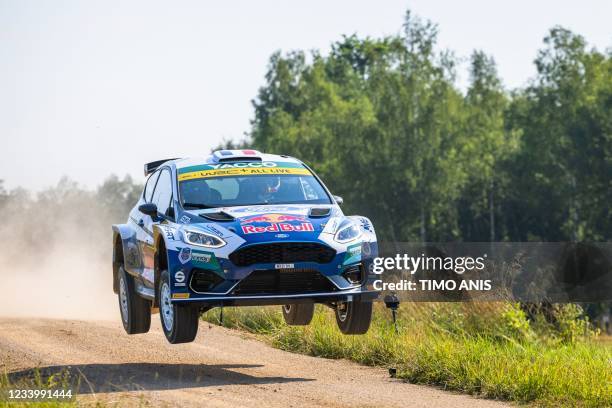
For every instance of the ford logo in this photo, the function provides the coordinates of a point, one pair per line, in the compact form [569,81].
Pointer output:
[281,236]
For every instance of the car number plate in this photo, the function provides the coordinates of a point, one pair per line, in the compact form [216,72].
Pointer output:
[284,266]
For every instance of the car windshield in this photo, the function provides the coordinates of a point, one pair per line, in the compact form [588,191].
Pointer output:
[253,189]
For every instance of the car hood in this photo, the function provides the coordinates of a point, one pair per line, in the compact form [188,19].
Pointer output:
[264,223]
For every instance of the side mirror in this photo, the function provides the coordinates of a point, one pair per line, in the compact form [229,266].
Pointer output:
[339,200]
[149,209]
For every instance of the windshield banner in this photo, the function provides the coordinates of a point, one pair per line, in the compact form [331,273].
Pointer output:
[242,169]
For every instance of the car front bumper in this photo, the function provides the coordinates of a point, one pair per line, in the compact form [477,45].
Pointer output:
[357,294]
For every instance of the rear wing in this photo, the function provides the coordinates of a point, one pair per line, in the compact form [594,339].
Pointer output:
[151,167]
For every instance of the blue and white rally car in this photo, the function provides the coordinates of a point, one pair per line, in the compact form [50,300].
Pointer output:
[240,228]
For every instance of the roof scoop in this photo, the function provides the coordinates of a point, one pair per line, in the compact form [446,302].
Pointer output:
[221,156]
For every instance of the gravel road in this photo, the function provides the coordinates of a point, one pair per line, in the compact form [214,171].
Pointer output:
[222,368]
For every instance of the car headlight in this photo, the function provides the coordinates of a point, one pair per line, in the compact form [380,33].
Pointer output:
[202,239]
[347,233]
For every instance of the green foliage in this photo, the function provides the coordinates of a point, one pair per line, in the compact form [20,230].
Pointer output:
[563,323]
[516,324]
[383,122]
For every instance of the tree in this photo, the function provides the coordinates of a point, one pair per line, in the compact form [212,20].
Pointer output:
[564,168]
[485,146]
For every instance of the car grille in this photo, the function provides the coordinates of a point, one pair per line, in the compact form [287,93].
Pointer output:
[283,252]
[284,281]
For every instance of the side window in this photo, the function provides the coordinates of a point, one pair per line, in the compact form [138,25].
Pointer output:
[148,190]
[163,192]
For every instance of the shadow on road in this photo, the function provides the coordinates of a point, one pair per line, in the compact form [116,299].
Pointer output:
[101,378]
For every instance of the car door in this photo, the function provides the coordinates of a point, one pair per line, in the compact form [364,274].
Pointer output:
[138,220]
[162,196]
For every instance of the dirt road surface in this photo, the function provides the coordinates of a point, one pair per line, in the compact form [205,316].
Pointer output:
[222,368]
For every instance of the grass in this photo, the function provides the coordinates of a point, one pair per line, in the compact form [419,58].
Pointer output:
[490,350]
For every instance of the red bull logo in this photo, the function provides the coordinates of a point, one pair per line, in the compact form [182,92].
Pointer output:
[272,218]
[278,223]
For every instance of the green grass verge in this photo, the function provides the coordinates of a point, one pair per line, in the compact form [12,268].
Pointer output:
[488,350]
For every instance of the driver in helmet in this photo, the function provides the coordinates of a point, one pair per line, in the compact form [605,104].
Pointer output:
[265,187]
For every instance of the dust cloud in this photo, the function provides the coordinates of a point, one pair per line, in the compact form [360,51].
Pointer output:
[56,249]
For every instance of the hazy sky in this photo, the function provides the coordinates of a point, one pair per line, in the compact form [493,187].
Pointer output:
[90,88]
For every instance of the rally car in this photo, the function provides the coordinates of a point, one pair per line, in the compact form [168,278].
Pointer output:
[240,228]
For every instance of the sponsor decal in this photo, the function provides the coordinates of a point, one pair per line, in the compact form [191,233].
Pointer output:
[283,226]
[180,296]
[204,259]
[366,225]
[185,219]
[277,223]
[242,169]
[281,236]
[169,232]
[284,266]
[272,218]
[201,257]
[179,277]
[354,250]
[353,254]
[254,209]
[242,172]
[213,230]
[184,255]
[243,165]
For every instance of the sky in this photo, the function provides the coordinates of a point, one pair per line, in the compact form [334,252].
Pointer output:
[90,88]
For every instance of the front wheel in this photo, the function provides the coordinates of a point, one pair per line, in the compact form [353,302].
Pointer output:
[354,317]
[135,310]
[179,322]
[299,314]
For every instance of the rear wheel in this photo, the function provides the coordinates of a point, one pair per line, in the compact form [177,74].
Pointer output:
[354,317]
[299,314]
[135,310]
[179,322]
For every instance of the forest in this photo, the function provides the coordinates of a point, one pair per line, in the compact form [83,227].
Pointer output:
[385,124]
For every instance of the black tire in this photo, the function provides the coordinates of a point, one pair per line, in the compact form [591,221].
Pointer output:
[298,314]
[354,317]
[135,310]
[179,322]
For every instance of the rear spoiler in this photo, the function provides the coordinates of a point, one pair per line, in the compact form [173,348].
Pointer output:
[151,167]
